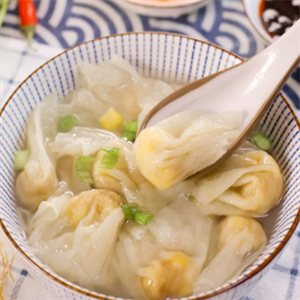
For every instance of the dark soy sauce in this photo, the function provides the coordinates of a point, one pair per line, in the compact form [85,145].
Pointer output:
[279,15]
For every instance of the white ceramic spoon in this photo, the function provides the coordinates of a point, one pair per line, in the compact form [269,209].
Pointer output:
[249,88]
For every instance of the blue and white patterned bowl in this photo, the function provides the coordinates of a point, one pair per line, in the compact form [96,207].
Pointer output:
[172,58]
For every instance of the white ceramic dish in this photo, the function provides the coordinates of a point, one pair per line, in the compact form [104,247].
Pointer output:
[172,58]
[166,9]
[252,11]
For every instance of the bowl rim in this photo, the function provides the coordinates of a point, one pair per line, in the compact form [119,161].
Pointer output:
[164,5]
[95,295]
[268,42]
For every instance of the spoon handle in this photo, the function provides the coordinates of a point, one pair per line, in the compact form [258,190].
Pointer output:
[276,63]
[251,86]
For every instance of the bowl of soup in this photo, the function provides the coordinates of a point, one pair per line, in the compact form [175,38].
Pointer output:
[98,210]
[162,8]
[272,18]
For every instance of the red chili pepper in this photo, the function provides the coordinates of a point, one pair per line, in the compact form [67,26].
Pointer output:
[27,13]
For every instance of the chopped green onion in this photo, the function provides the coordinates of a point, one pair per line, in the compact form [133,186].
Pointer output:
[110,158]
[129,136]
[66,124]
[129,210]
[262,142]
[82,167]
[131,126]
[130,131]
[20,160]
[83,174]
[111,150]
[85,177]
[131,213]
[142,218]
[83,163]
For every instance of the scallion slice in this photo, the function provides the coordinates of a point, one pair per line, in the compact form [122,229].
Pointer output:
[66,124]
[110,158]
[85,177]
[130,131]
[20,160]
[131,126]
[129,210]
[142,218]
[83,165]
[262,142]
[129,136]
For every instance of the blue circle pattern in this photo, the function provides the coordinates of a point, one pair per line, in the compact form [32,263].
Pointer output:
[221,22]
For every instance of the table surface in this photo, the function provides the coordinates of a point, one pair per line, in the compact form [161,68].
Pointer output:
[65,23]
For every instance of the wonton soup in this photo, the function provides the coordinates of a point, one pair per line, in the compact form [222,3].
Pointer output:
[119,213]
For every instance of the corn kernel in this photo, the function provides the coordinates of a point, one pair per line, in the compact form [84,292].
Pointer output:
[111,120]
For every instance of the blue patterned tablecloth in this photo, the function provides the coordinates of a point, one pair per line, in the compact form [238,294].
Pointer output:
[65,23]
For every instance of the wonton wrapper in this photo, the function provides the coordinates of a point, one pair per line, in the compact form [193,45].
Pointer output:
[126,179]
[76,235]
[246,184]
[118,84]
[157,262]
[69,146]
[81,141]
[180,226]
[171,276]
[182,145]
[240,241]
[38,180]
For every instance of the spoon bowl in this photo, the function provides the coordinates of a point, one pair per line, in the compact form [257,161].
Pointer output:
[259,79]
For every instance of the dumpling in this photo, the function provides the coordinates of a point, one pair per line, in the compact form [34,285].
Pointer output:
[149,91]
[131,253]
[240,241]
[172,275]
[118,84]
[89,207]
[75,236]
[178,147]
[161,259]
[147,271]
[81,141]
[248,183]
[38,180]
[100,202]
[88,106]
[124,174]
[42,225]
[126,179]
[113,86]
[69,146]
[178,225]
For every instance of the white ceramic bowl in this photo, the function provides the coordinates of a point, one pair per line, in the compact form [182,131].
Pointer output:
[172,58]
[167,9]
[252,11]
